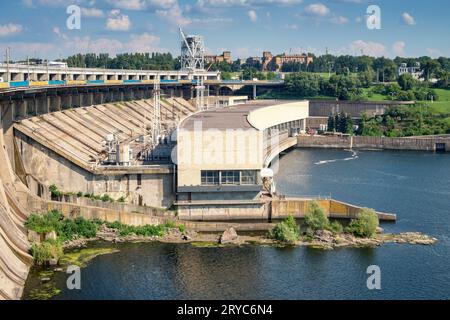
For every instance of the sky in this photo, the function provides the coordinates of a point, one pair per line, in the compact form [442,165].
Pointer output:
[409,28]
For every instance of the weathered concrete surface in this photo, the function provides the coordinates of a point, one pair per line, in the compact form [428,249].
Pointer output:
[323,108]
[269,209]
[14,258]
[347,142]
[333,208]
[46,167]
[64,148]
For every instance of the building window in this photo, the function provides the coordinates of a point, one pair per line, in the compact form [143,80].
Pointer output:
[210,178]
[230,177]
[248,177]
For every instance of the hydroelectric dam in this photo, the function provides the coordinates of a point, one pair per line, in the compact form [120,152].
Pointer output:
[159,146]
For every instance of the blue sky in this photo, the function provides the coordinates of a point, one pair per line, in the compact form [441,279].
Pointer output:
[246,27]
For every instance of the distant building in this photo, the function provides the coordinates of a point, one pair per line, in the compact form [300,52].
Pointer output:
[415,71]
[271,62]
[224,57]
[253,60]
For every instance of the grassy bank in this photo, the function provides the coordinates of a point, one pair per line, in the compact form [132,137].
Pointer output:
[54,230]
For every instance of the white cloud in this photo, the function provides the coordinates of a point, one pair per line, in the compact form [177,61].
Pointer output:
[92,12]
[399,48]
[58,32]
[245,3]
[117,21]
[434,53]
[291,26]
[367,48]
[339,20]
[317,9]
[408,19]
[51,3]
[142,4]
[252,15]
[174,15]
[10,29]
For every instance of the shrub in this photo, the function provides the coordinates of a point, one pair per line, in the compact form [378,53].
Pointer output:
[316,218]
[286,231]
[106,198]
[121,199]
[170,225]
[182,228]
[66,229]
[45,251]
[145,231]
[80,194]
[366,224]
[54,191]
[44,223]
[335,227]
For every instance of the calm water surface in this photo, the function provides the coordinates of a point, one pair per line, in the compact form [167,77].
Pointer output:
[415,186]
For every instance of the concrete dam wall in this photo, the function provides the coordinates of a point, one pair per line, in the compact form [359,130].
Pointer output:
[14,258]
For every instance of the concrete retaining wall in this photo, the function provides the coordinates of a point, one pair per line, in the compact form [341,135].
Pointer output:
[334,209]
[347,142]
[72,211]
[323,108]
[223,212]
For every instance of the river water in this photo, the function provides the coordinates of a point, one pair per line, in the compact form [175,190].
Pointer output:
[414,185]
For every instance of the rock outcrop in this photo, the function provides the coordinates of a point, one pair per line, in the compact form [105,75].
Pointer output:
[229,236]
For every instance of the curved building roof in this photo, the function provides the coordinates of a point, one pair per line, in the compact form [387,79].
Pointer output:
[258,115]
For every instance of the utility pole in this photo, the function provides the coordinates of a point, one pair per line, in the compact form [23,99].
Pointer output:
[8,72]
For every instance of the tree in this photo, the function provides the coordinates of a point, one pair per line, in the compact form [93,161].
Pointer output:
[286,231]
[331,124]
[303,84]
[406,81]
[386,68]
[348,125]
[365,226]
[430,67]
[316,218]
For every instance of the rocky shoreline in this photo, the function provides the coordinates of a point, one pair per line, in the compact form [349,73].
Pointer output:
[321,239]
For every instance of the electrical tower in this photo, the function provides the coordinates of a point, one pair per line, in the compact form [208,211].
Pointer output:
[192,52]
[157,111]
[193,60]
[200,88]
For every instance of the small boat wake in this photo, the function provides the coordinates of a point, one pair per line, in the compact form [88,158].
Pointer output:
[353,157]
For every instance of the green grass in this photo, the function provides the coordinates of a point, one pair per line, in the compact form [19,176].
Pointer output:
[442,106]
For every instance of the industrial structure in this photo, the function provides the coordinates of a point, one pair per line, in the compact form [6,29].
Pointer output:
[148,142]
[221,154]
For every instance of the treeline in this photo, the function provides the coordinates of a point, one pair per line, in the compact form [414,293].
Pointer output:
[402,121]
[131,61]
[356,87]
[343,87]
[397,121]
[383,69]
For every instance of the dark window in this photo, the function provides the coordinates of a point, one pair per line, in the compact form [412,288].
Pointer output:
[230,177]
[248,177]
[210,178]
